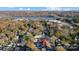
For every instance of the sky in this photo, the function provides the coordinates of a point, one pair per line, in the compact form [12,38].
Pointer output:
[39,8]
[40,3]
[23,8]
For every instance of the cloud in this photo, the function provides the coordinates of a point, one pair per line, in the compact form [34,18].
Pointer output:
[67,9]
[24,9]
[28,9]
[57,9]
[20,8]
[53,8]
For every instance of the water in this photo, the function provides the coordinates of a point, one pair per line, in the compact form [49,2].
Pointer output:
[37,17]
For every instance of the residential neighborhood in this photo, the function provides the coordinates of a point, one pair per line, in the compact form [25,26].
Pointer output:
[39,31]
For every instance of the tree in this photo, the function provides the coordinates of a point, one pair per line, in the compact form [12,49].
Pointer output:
[58,33]
[76,19]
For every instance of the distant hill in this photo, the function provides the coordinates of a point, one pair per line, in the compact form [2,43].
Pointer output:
[36,13]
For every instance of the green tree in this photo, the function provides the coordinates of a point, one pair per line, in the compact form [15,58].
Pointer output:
[76,19]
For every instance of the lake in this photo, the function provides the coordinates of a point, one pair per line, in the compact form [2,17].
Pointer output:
[37,17]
